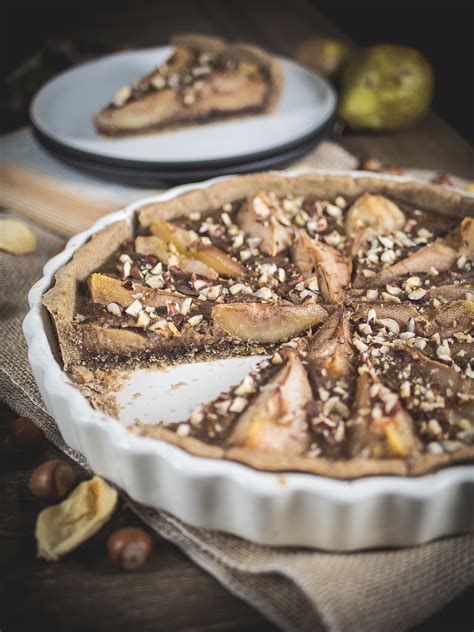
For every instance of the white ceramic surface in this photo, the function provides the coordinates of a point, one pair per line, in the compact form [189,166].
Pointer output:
[64,107]
[280,509]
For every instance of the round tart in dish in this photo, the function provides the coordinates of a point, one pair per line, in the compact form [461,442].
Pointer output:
[359,291]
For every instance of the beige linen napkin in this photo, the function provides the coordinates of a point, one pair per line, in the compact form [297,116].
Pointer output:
[297,589]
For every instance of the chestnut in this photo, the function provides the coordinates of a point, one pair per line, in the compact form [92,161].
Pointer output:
[52,480]
[23,434]
[129,548]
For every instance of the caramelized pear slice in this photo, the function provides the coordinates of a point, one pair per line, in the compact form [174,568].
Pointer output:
[329,350]
[436,255]
[153,245]
[462,238]
[372,215]
[104,290]
[435,373]
[262,322]
[449,319]
[179,237]
[442,254]
[452,292]
[400,312]
[331,268]
[186,243]
[276,421]
[216,259]
[260,217]
[379,427]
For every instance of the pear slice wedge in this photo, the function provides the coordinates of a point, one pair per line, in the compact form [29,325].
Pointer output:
[379,426]
[261,217]
[186,243]
[153,245]
[262,322]
[442,254]
[331,268]
[104,290]
[276,421]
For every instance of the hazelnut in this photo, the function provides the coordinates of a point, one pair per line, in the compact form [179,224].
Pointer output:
[442,178]
[393,170]
[24,434]
[370,164]
[52,480]
[129,547]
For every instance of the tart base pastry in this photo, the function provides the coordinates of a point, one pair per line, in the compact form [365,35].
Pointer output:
[359,291]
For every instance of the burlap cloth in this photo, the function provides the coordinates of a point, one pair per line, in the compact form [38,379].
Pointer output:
[297,589]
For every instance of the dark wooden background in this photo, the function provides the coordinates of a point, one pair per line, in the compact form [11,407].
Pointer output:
[84,591]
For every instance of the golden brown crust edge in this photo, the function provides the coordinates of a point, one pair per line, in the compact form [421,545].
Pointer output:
[60,300]
[349,469]
[429,196]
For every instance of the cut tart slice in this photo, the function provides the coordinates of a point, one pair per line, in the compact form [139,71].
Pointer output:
[205,80]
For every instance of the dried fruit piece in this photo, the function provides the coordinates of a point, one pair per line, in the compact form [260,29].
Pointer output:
[276,421]
[63,527]
[262,322]
[16,236]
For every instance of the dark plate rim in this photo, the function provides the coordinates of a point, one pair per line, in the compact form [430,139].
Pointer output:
[179,166]
[152,177]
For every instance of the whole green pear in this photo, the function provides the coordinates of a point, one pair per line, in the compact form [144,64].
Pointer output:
[386,87]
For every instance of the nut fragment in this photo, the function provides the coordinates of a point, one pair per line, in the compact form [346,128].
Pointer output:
[61,528]
[16,237]
[52,480]
[130,548]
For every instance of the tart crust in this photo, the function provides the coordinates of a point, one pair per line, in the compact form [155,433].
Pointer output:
[61,300]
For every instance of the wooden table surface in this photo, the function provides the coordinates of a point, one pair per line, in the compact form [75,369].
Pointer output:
[84,591]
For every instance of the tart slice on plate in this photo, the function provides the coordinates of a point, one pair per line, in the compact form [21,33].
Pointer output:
[205,80]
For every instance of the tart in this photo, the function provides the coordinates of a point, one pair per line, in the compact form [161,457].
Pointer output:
[205,80]
[360,293]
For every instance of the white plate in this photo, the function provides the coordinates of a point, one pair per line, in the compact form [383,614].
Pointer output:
[269,508]
[64,107]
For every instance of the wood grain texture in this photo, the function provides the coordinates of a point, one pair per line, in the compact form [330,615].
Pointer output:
[84,591]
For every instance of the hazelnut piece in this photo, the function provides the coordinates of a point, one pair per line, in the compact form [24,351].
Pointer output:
[129,547]
[24,434]
[52,480]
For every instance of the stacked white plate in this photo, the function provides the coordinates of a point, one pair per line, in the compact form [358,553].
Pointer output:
[62,113]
